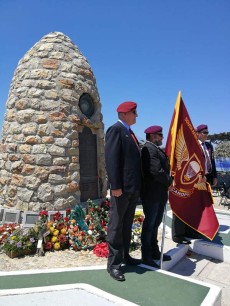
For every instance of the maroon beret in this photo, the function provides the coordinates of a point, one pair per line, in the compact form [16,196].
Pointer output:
[201,127]
[153,129]
[126,107]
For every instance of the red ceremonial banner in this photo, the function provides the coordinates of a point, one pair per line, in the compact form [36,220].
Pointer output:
[189,196]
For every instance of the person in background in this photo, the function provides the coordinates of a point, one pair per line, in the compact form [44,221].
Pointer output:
[156,181]
[208,153]
[123,165]
[179,229]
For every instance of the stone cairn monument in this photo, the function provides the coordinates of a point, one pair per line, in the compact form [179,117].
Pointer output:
[52,147]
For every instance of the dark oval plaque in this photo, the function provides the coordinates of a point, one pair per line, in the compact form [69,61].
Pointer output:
[86,105]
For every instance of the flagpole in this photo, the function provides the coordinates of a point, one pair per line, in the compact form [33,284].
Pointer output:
[163,235]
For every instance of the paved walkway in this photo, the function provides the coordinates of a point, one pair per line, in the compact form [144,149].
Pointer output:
[208,261]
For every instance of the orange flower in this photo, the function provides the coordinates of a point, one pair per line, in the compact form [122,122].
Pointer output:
[63,231]
[50,224]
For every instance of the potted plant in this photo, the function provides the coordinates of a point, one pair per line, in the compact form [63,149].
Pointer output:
[21,242]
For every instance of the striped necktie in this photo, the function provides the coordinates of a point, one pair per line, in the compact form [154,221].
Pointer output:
[207,158]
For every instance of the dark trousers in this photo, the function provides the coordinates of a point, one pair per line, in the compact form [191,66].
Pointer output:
[209,178]
[153,210]
[178,228]
[122,210]
[181,230]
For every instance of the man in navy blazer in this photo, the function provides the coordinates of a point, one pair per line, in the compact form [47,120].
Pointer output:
[123,165]
[208,153]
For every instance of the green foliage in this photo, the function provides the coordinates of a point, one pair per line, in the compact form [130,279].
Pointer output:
[79,215]
[88,228]
[222,141]
[218,138]
[223,149]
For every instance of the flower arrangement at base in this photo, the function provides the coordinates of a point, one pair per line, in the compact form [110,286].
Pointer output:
[97,219]
[88,228]
[80,240]
[5,231]
[136,230]
[21,242]
[101,250]
[79,230]
[80,236]
[57,237]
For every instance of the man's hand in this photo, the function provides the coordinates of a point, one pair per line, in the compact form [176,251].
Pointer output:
[116,192]
[202,179]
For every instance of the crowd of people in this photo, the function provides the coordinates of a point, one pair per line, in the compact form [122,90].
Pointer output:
[135,173]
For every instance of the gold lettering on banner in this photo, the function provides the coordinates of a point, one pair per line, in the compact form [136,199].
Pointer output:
[181,193]
[190,127]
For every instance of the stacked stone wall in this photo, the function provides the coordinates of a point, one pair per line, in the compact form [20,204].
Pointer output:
[39,151]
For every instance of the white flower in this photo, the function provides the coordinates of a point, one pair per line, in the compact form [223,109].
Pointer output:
[90,232]
[135,238]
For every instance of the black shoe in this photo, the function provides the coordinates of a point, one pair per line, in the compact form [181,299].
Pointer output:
[195,236]
[116,274]
[165,257]
[181,240]
[128,260]
[151,263]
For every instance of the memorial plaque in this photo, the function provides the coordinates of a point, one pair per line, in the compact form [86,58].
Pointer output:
[1,215]
[29,218]
[11,216]
[88,165]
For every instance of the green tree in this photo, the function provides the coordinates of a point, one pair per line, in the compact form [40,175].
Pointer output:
[222,141]
[223,149]
[218,138]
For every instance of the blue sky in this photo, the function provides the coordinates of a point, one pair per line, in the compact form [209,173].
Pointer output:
[139,50]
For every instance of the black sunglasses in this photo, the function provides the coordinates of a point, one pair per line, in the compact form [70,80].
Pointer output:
[205,133]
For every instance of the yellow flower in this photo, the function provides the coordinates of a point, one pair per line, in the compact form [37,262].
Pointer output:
[13,238]
[51,229]
[54,239]
[56,232]
[57,246]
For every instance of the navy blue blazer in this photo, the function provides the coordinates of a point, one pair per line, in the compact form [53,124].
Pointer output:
[122,158]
